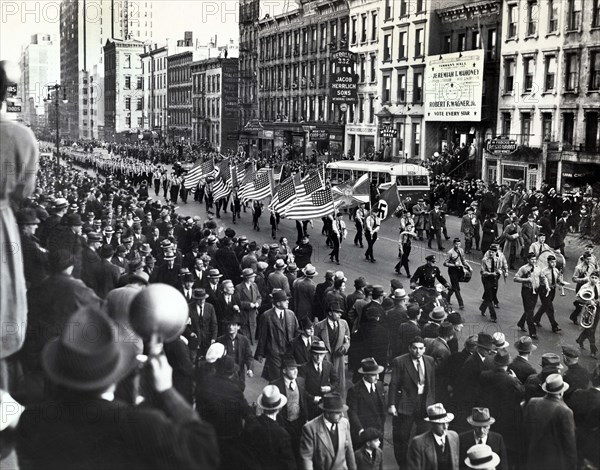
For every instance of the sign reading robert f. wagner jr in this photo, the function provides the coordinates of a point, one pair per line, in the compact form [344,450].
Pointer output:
[454,86]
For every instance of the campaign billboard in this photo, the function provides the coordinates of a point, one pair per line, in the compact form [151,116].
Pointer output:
[454,86]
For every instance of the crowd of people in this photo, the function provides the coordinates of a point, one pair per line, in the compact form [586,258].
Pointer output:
[85,389]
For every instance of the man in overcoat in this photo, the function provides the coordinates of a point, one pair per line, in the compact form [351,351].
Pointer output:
[250,300]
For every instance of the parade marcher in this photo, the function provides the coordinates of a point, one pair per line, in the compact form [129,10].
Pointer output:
[372,226]
[404,248]
[550,278]
[457,266]
[590,333]
[493,266]
[359,223]
[539,246]
[338,233]
[467,227]
[426,275]
[560,232]
[326,442]
[480,434]
[549,428]
[585,266]
[437,448]
[411,392]
[421,212]
[436,224]
[238,347]
[513,244]
[489,231]
[529,278]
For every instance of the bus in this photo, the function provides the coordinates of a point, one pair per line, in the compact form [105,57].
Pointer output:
[412,180]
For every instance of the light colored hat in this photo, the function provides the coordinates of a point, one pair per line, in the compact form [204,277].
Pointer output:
[500,340]
[271,398]
[215,351]
[399,294]
[555,384]
[481,456]
[436,413]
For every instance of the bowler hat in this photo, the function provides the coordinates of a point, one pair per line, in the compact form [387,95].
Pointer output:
[369,366]
[248,273]
[271,398]
[333,402]
[318,347]
[73,220]
[525,344]
[555,384]
[481,456]
[27,217]
[279,295]
[436,413]
[309,270]
[85,362]
[485,341]
[480,417]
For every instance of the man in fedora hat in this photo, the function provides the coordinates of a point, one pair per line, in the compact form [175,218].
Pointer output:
[482,457]
[576,375]
[250,302]
[326,442]
[238,346]
[396,315]
[201,328]
[480,434]
[87,371]
[435,319]
[265,438]
[304,292]
[35,258]
[168,272]
[69,238]
[411,390]
[213,284]
[276,330]
[437,448]
[366,401]
[520,365]
[320,377]
[53,222]
[277,279]
[533,384]
[108,273]
[227,304]
[549,428]
[301,344]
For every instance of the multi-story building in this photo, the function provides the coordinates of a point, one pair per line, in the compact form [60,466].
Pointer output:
[361,128]
[123,88]
[154,66]
[295,50]
[248,55]
[40,67]
[215,109]
[85,26]
[549,94]
[96,102]
[179,96]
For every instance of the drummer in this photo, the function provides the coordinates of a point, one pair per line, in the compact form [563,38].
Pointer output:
[539,246]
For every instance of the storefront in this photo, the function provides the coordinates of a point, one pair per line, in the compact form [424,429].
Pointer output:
[519,165]
[359,140]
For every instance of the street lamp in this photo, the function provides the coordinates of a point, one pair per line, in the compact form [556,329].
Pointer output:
[56,88]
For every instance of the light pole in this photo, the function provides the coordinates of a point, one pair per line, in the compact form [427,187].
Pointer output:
[56,88]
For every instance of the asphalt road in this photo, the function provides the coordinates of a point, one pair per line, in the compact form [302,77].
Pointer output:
[353,264]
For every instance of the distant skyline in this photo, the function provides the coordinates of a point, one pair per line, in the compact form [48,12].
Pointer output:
[21,19]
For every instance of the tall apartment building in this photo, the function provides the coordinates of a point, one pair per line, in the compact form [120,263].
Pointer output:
[549,97]
[39,64]
[123,89]
[215,109]
[85,26]
[248,69]
[294,65]
[179,96]
[361,128]
[154,66]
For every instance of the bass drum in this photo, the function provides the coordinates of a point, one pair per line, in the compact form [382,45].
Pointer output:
[542,260]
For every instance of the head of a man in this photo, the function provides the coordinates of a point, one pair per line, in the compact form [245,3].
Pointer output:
[416,348]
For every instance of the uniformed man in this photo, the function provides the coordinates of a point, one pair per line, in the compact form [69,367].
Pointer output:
[456,264]
[372,226]
[359,222]
[493,265]
[550,277]
[529,278]
[540,245]
[590,333]
[592,260]
[584,268]
[426,275]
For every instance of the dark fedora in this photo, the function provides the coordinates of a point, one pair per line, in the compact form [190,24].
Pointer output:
[73,220]
[525,344]
[89,357]
[289,361]
[480,417]
[199,294]
[501,358]
[235,318]
[333,402]
[27,217]
[279,295]
[94,237]
[485,341]
[318,347]
[248,273]
[306,323]
[107,251]
[369,366]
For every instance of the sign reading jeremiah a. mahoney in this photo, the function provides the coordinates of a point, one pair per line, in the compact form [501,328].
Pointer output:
[454,86]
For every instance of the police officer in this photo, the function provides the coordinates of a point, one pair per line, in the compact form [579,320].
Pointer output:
[426,275]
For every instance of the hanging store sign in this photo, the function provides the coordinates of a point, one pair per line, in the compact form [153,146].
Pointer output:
[319,135]
[454,86]
[388,132]
[344,88]
[501,145]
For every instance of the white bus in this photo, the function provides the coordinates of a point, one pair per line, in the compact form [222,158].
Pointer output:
[412,180]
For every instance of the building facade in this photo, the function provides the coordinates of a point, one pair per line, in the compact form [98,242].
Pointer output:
[294,55]
[179,96]
[123,89]
[154,66]
[360,138]
[215,109]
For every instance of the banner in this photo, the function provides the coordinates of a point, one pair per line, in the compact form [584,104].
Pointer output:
[454,86]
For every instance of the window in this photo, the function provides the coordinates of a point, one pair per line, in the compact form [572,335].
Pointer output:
[547,127]
[419,6]
[568,128]
[127,61]
[525,128]
[361,109]
[416,139]
[553,6]
[403,8]
[400,140]
[506,123]
[509,75]
[353,30]
[362,69]
[140,121]
[128,121]
[140,83]
[528,69]
[374,26]
[373,77]
[388,10]
[418,87]
[550,73]
[574,17]
[402,45]
[128,103]
[363,28]
[492,39]
[386,89]
[462,42]
[592,139]
[571,71]
[371,109]
[596,14]
[402,87]
[475,43]
[513,14]
[323,36]
[127,82]
[447,44]
[595,70]
[387,48]
[532,18]
[419,42]
[140,104]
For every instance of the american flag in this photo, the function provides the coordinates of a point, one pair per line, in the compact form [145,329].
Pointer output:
[286,195]
[201,170]
[315,205]
[239,173]
[310,183]
[259,188]
[222,185]
[250,174]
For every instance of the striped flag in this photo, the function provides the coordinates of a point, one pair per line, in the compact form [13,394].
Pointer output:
[250,174]
[315,205]
[260,187]
[277,172]
[201,170]
[285,195]
[310,183]
[349,195]
[239,173]
[222,185]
